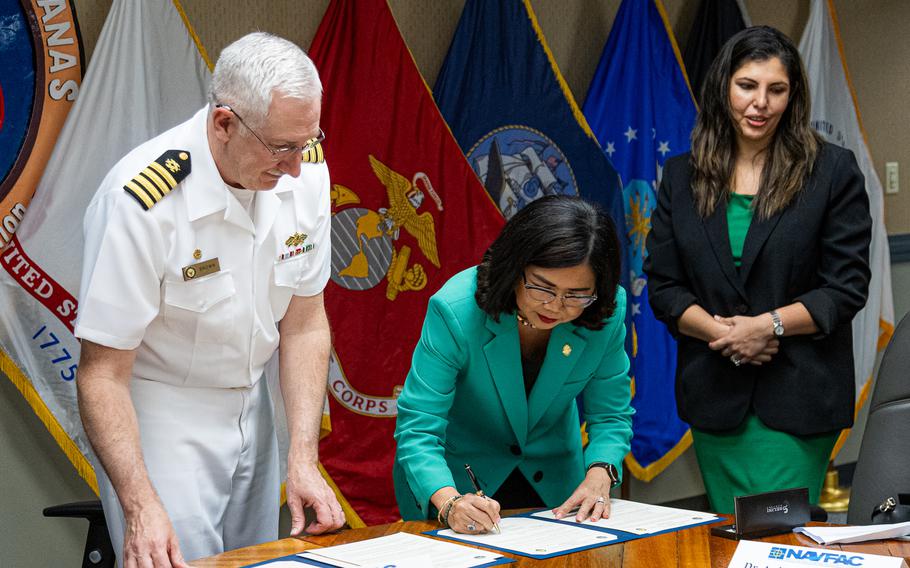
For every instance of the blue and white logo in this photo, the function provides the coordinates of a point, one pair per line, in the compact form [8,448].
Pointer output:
[518,164]
[813,557]
[777,553]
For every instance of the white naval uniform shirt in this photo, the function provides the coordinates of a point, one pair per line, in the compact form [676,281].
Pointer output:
[217,330]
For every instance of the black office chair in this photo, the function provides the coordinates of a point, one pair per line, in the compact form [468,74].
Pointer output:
[883,466]
[98,550]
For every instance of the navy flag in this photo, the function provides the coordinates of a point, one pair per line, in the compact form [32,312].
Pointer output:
[641,108]
[514,116]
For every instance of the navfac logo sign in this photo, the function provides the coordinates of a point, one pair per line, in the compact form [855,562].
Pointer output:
[815,557]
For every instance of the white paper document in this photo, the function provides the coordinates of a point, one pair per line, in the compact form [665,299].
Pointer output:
[863,533]
[529,536]
[640,518]
[402,550]
[752,554]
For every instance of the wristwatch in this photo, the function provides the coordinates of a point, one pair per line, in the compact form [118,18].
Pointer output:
[611,472]
[776,324]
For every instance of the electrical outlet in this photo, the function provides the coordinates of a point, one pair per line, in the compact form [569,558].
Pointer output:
[892,178]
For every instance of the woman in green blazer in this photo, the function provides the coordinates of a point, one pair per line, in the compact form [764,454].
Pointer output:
[506,348]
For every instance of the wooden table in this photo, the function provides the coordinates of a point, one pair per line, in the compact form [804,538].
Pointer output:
[693,547]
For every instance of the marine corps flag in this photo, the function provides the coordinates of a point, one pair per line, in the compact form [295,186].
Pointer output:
[513,114]
[640,106]
[408,213]
[835,115]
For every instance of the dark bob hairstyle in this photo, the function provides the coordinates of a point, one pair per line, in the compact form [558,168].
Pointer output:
[552,232]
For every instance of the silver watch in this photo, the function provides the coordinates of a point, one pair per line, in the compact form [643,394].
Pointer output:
[776,324]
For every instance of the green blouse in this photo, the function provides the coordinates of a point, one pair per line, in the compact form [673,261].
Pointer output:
[739,217]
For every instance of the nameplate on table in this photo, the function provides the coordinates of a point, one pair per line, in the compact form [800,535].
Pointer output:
[766,514]
[752,554]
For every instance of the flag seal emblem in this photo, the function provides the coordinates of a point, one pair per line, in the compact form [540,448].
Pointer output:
[40,76]
[518,164]
[364,241]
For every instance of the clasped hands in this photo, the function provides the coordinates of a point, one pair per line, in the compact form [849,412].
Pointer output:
[745,339]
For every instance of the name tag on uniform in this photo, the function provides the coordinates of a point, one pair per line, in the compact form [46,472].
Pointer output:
[200,269]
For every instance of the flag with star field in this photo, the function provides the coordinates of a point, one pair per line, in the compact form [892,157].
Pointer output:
[641,108]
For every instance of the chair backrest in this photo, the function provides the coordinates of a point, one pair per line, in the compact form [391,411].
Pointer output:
[98,550]
[883,466]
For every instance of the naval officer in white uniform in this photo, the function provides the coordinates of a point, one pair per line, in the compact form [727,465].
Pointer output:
[207,249]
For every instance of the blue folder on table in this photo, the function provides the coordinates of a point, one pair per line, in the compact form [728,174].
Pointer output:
[620,536]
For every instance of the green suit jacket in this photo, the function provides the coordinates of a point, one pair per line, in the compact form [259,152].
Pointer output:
[464,402]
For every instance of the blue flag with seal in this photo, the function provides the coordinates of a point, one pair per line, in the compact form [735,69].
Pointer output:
[513,114]
[641,108]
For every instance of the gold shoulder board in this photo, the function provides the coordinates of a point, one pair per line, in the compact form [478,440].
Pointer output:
[149,186]
[315,155]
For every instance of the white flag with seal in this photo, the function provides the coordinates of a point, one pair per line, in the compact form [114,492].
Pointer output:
[147,74]
[835,115]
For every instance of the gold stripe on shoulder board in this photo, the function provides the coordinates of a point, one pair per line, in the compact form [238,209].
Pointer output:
[159,178]
[314,155]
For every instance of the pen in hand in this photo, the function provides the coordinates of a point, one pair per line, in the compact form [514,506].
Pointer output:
[479,492]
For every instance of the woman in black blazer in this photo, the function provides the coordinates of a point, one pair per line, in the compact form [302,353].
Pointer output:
[758,261]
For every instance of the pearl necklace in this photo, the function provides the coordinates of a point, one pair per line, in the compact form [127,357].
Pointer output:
[523,320]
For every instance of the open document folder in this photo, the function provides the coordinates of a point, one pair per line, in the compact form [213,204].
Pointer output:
[401,550]
[641,518]
[540,535]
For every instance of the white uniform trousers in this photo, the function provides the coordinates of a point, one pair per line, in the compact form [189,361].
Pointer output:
[212,456]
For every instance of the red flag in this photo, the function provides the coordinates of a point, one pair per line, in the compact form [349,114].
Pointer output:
[408,213]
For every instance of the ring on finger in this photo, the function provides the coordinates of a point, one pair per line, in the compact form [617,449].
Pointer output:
[472,527]
[736,360]
[600,500]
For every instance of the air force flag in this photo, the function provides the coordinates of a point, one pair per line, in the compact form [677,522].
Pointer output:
[641,109]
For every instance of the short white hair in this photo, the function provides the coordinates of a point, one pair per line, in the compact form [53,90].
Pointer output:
[251,69]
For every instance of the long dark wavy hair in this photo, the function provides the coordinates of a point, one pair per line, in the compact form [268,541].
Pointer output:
[552,232]
[793,148]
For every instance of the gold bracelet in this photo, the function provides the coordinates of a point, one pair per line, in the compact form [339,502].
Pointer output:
[443,515]
[443,508]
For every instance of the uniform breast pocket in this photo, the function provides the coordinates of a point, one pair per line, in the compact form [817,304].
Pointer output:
[287,277]
[289,273]
[201,310]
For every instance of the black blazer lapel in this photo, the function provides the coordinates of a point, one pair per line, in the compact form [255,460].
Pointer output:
[759,231]
[719,237]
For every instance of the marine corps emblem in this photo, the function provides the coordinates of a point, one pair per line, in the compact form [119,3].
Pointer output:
[364,250]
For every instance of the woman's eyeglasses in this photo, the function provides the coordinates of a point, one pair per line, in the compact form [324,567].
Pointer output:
[546,295]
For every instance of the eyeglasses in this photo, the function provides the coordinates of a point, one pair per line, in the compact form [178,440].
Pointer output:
[546,295]
[283,152]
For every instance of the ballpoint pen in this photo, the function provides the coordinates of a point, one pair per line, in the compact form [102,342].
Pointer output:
[479,492]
